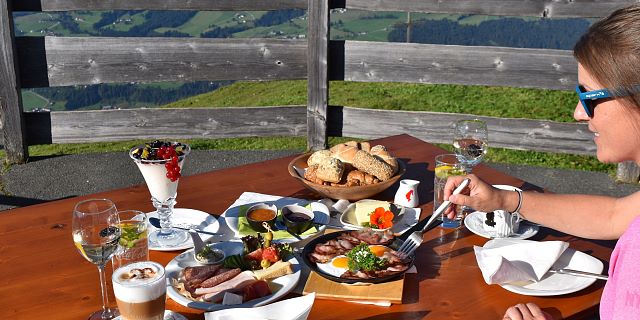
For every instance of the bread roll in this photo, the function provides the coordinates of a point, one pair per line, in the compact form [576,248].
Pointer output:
[330,170]
[311,174]
[344,153]
[381,152]
[365,146]
[364,161]
[359,178]
[318,156]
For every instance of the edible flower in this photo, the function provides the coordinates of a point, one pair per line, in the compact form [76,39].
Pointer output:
[381,219]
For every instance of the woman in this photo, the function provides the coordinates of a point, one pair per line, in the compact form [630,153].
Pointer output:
[608,56]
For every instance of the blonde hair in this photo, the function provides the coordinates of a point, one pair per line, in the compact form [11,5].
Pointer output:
[610,52]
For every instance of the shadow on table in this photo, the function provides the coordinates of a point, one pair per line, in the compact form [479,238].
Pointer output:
[398,315]
[22,201]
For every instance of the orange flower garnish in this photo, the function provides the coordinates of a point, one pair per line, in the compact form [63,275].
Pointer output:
[382,219]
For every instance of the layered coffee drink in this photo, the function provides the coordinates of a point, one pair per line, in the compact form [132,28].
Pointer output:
[140,290]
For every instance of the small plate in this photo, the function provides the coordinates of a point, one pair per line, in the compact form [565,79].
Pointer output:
[475,221]
[198,218]
[284,284]
[168,315]
[320,212]
[402,221]
[558,284]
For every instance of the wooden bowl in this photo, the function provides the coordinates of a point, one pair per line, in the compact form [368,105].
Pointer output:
[347,193]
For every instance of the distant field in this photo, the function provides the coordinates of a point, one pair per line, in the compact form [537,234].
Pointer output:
[32,100]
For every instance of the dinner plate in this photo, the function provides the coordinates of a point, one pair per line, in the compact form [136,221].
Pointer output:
[320,216]
[475,223]
[283,284]
[402,221]
[168,315]
[310,247]
[553,284]
[194,217]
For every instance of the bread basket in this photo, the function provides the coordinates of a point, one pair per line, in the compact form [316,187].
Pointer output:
[336,192]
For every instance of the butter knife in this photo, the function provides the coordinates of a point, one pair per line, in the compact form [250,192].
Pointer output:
[579,273]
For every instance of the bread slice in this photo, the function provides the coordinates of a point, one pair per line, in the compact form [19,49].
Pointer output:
[277,269]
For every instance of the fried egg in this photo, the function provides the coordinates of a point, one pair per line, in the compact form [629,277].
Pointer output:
[340,264]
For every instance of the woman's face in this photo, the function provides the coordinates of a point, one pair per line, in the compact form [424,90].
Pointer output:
[616,137]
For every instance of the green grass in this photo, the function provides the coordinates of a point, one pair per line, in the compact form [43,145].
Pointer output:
[32,100]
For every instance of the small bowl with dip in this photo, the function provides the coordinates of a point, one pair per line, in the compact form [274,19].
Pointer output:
[209,255]
[297,219]
[262,212]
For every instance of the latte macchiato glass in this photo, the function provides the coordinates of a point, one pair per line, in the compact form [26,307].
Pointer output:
[140,290]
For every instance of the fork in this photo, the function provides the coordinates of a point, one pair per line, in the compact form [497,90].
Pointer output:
[415,239]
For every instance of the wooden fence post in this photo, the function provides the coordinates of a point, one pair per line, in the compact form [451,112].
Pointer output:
[14,136]
[317,74]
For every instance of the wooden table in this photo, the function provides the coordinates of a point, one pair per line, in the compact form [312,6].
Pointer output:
[43,277]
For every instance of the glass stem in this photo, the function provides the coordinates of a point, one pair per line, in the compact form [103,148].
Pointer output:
[164,210]
[106,312]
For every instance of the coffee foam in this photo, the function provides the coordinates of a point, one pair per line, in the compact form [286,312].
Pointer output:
[139,289]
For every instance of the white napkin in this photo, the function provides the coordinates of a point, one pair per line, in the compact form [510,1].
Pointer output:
[290,309]
[510,260]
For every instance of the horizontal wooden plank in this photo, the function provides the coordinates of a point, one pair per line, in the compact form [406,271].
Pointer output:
[93,60]
[539,8]
[520,134]
[115,125]
[64,5]
[427,63]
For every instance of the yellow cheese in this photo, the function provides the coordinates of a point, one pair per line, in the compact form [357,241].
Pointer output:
[277,269]
[364,208]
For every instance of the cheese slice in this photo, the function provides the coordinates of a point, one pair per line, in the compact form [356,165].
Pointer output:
[277,269]
[364,208]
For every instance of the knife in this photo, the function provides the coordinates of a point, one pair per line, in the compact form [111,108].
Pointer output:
[579,273]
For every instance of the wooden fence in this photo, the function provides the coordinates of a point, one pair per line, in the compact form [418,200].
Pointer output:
[28,62]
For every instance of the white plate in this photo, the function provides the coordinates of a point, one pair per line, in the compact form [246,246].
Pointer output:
[475,222]
[558,284]
[199,218]
[168,315]
[320,216]
[402,222]
[185,259]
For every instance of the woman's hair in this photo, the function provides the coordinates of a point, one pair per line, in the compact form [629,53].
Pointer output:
[610,52]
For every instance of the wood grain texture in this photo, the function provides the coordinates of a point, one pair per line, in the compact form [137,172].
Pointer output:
[520,134]
[115,125]
[534,8]
[69,289]
[222,5]
[93,60]
[427,63]
[318,81]
[11,120]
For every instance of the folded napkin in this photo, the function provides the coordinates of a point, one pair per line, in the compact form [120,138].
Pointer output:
[511,260]
[245,229]
[290,309]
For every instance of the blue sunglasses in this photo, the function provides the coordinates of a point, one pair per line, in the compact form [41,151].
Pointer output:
[591,99]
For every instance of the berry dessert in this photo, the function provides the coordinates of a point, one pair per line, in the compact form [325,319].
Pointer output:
[160,163]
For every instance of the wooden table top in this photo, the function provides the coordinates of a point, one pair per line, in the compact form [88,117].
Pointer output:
[43,277]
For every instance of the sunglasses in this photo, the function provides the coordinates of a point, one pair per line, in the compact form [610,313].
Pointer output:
[591,99]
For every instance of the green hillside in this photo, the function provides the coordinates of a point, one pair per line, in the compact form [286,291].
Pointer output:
[489,101]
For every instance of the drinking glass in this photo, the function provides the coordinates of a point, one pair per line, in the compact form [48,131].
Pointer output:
[96,234]
[163,189]
[470,140]
[140,289]
[134,246]
[447,165]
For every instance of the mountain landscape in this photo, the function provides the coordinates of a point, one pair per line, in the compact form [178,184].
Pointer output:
[291,24]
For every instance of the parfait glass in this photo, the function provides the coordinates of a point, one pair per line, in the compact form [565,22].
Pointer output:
[96,234]
[162,177]
[470,141]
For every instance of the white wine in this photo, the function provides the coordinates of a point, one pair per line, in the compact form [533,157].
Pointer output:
[470,151]
[98,243]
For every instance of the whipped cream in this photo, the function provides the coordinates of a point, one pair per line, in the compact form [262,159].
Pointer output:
[155,175]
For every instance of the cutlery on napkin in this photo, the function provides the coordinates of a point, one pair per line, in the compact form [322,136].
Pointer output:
[290,309]
[507,260]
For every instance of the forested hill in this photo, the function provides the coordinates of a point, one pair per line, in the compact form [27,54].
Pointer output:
[506,32]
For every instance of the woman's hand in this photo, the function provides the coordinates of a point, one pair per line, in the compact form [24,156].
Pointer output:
[529,311]
[478,195]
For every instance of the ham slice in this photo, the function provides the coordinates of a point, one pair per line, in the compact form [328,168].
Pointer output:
[240,281]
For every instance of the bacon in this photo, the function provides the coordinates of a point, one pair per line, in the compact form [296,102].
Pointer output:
[325,249]
[345,244]
[319,258]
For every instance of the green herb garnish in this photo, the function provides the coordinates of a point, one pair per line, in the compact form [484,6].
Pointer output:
[361,258]
[130,234]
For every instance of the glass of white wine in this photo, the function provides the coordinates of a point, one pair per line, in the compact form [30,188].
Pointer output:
[470,141]
[96,235]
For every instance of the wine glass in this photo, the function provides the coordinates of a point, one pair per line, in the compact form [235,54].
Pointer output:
[471,141]
[96,234]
